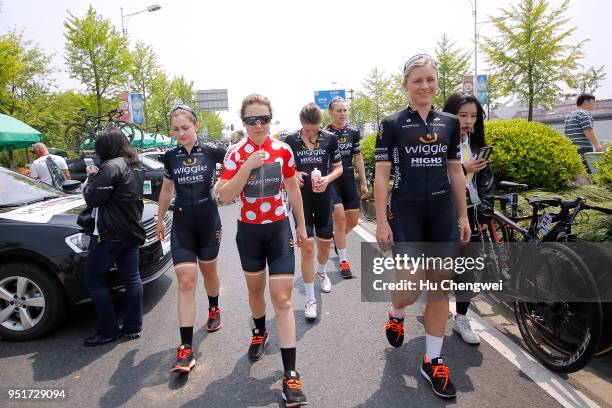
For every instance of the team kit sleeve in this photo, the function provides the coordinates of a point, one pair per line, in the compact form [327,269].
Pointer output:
[384,143]
[288,163]
[334,151]
[453,142]
[230,165]
[167,166]
[357,143]
[217,152]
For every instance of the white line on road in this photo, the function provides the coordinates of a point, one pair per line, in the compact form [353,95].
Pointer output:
[555,386]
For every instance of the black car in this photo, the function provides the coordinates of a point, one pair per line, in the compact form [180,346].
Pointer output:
[43,253]
[154,173]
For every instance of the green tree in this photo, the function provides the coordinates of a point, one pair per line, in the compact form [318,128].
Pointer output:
[531,53]
[587,81]
[362,110]
[326,118]
[161,101]
[453,63]
[214,123]
[24,72]
[142,73]
[96,54]
[183,91]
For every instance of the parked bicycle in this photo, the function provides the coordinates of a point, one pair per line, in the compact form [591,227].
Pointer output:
[82,136]
[564,336]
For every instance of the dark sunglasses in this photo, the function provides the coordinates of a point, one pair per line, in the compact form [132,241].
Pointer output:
[257,120]
[184,107]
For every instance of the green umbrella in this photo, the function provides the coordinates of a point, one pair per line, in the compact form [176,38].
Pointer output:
[14,134]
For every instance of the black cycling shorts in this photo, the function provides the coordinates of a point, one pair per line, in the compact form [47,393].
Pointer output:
[424,221]
[345,191]
[196,234]
[271,243]
[318,213]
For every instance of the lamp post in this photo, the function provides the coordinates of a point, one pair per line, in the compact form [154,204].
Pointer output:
[126,17]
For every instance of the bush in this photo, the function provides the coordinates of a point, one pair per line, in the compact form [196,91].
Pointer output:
[604,170]
[368,144]
[532,153]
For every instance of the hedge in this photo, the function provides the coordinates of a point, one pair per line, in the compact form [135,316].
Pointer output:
[604,170]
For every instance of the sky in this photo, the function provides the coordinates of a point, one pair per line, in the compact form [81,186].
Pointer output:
[286,50]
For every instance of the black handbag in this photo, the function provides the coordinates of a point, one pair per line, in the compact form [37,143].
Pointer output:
[86,220]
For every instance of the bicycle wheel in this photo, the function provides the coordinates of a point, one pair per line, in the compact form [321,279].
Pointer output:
[563,336]
[77,137]
[132,131]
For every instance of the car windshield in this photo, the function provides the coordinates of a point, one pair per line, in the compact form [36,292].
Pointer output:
[17,189]
[151,163]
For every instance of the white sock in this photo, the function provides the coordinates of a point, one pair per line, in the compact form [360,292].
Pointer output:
[342,254]
[433,346]
[309,290]
[397,313]
[321,268]
[460,316]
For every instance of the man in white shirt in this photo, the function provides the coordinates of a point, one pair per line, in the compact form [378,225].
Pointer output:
[39,167]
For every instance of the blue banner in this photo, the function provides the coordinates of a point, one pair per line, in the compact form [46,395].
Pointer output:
[323,98]
[137,108]
[482,89]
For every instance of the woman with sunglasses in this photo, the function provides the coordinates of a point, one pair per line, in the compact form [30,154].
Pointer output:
[421,145]
[196,226]
[346,199]
[478,181]
[314,149]
[257,168]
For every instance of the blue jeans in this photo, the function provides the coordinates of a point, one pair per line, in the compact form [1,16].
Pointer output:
[102,255]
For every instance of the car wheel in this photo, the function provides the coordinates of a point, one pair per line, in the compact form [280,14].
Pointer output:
[32,302]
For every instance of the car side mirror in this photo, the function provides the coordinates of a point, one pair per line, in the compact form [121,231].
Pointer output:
[71,185]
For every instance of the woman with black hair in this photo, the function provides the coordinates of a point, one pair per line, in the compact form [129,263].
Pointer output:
[115,192]
[477,173]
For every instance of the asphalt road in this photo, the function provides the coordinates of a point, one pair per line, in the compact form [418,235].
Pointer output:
[343,357]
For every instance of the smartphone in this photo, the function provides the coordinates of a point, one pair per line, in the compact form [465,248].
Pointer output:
[89,162]
[485,152]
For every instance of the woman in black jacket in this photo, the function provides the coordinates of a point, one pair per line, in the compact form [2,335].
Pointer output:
[479,185]
[115,192]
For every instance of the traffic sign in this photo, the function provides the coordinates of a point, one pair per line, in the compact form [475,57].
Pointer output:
[323,98]
[468,84]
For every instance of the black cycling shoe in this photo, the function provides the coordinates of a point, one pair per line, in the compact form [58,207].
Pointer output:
[214,319]
[292,390]
[345,270]
[394,329]
[130,335]
[97,340]
[185,359]
[258,344]
[436,373]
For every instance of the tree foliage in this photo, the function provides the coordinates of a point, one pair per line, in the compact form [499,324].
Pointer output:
[96,54]
[587,81]
[24,72]
[531,53]
[453,64]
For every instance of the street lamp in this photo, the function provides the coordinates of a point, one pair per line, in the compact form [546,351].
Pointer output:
[125,17]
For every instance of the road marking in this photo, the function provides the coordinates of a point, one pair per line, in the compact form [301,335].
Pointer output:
[555,386]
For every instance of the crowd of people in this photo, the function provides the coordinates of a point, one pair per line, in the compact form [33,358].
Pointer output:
[437,180]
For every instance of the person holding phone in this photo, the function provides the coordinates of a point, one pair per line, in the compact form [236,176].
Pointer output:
[257,169]
[473,153]
[427,205]
[196,226]
[115,191]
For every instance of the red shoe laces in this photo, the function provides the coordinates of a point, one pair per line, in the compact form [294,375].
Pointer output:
[213,314]
[293,384]
[182,353]
[257,339]
[345,265]
[396,327]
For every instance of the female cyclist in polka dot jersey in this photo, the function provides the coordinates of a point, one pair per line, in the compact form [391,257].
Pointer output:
[257,168]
